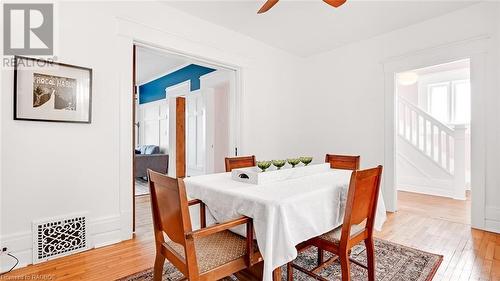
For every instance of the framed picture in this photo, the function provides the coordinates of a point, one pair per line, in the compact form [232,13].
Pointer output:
[52,92]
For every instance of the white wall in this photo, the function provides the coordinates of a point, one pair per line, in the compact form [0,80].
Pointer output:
[221,84]
[409,93]
[347,90]
[333,102]
[52,169]
[417,173]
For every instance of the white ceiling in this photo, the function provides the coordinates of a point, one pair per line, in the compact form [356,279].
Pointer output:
[152,64]
[309,27]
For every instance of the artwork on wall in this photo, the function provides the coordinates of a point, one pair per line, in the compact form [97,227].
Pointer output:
[50,91]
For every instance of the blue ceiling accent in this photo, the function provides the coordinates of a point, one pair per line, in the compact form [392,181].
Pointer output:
[155,90]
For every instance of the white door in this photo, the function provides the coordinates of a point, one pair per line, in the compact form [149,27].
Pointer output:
[195,133]
[153,124]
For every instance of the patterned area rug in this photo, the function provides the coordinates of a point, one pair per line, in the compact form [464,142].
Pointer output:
[394,262]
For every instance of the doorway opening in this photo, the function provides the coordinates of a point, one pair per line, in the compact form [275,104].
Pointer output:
[184,118]
[433,139]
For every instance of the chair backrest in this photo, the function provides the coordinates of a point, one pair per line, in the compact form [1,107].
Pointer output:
[169,206]
[362,199]
[240,162]
[344,162]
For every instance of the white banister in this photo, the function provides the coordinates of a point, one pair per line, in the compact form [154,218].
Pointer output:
[459,161]
[448,151]
[436,136]
[441,144]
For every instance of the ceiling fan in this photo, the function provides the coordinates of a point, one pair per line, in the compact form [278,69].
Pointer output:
[270,3]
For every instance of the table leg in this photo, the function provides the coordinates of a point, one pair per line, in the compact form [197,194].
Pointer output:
[277,274]
[255,273]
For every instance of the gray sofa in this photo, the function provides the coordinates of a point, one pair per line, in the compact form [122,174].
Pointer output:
[149,157]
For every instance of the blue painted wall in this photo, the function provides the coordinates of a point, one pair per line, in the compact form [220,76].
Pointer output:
[155,90]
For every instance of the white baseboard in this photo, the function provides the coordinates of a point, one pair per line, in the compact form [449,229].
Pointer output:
[425,190]
[492,225]
[103,232]
[492,219]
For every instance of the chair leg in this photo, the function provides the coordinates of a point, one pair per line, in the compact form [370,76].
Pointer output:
[345,265]
[289,271]
[321,256]
[158,268]
[370,253]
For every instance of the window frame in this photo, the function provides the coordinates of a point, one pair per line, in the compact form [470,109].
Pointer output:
[450,97]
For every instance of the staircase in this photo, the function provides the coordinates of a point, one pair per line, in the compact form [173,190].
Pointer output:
[430,154]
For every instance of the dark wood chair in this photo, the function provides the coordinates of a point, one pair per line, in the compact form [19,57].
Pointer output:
[209,253]
[345,162]
[359,219]
[240,162]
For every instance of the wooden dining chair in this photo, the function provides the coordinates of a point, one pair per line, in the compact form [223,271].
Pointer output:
[209,253]
[344,162]
[240,162]
[359,219]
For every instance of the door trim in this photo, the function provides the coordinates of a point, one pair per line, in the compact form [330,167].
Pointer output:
[474,49]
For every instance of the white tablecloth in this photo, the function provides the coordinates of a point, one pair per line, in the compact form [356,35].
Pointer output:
[284,213]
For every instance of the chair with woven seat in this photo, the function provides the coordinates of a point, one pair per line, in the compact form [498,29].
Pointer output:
[344,162]
[240,162]
[210,253]
[359,219]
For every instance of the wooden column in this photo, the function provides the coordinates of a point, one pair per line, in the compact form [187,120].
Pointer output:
[180,139]
[134,95]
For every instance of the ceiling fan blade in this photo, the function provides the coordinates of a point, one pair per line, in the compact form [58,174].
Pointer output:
[335,3]
[268,5]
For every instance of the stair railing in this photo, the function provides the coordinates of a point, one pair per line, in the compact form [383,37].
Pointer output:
[441,144]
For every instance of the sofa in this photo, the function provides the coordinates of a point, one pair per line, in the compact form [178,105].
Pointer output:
[149,157]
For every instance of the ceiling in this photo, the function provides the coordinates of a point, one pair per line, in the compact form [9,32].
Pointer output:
[309,27]
[152,64]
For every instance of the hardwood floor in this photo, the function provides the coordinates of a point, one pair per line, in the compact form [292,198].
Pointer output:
[436,207]
[429,223]
[439,225]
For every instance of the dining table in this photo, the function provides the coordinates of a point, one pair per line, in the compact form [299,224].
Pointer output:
[285,212]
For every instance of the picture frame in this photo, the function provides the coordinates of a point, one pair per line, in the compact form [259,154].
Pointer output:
[51,91]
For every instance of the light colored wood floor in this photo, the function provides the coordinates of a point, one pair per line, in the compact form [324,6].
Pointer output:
[429,223]
[141,187]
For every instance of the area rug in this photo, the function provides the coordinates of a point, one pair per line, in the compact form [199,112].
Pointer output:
[394,262]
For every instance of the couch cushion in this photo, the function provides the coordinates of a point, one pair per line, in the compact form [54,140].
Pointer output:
[149,149]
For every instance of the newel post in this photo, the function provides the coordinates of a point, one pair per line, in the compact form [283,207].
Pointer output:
[459,155]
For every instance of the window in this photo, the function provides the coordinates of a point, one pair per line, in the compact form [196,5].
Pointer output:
[449,102]
[439,106]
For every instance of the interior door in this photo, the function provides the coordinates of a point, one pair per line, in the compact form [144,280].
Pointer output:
[153,124]
[196,133]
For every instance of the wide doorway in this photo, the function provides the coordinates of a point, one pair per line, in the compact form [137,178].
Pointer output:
[185,118]
[433,138]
